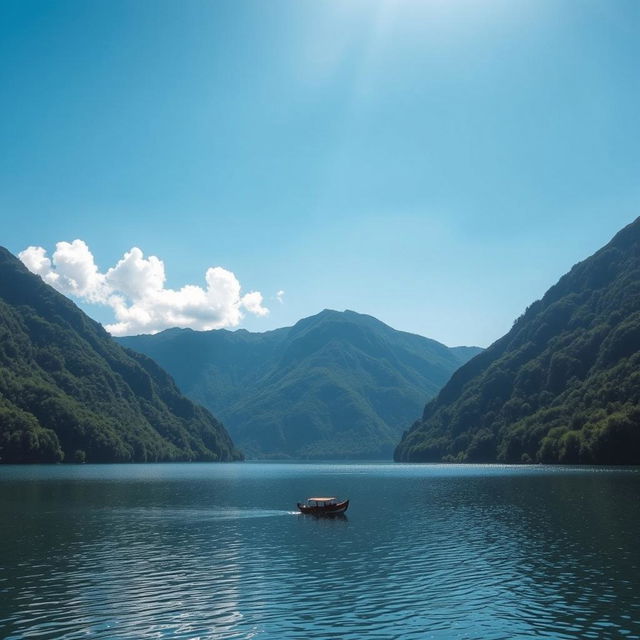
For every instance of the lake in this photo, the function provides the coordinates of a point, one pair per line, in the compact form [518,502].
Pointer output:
[217,551]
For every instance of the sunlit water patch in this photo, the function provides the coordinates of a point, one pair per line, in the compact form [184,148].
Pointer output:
[219,551]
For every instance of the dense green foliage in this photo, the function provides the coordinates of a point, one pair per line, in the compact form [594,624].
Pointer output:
[562,386]
[69,392]
[335,385]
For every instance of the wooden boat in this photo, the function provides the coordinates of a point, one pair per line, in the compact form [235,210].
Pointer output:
[323,506]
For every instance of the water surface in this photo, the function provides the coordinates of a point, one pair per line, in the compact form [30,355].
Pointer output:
[217,551]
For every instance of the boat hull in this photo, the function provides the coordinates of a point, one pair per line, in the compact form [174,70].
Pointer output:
[325,510]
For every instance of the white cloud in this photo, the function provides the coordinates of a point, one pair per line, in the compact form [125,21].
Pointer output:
[136,277]
[252,302]
[135,290]
[35,259]
[75,271]
[280,296]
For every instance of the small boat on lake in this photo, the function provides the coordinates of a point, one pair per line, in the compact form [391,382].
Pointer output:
[323,506]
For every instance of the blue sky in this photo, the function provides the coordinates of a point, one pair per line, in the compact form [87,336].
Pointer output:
[437,164]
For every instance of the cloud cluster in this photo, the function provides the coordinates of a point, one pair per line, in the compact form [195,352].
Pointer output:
[135,290]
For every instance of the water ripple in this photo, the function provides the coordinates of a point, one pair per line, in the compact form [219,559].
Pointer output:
[421,556]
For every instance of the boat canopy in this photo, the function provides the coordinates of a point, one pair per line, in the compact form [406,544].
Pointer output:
[320,499]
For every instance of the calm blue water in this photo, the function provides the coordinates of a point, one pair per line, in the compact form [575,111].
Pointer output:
[216,551]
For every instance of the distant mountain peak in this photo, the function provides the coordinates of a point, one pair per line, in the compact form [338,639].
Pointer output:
[336,384]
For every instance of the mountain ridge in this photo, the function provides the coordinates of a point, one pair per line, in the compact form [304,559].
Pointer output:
[69,391]
[334,368]
[560,386]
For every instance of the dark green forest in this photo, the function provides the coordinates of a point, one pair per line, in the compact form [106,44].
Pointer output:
[335,385]
[563,386]
[69,393]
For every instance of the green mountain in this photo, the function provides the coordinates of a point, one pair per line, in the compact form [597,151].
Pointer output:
[335,385]
[562,386]
[69,392]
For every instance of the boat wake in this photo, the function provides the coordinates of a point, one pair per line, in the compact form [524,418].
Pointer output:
[214,513]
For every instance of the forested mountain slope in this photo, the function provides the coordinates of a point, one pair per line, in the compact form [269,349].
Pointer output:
[562,386]
[335,385]
[69,392]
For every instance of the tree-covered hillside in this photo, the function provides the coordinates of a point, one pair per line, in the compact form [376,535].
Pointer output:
[335,385]
[562,386]
[69,392]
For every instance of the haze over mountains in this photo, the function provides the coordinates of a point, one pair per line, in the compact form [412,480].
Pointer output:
[562,386]
[335,385]
[69,392]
